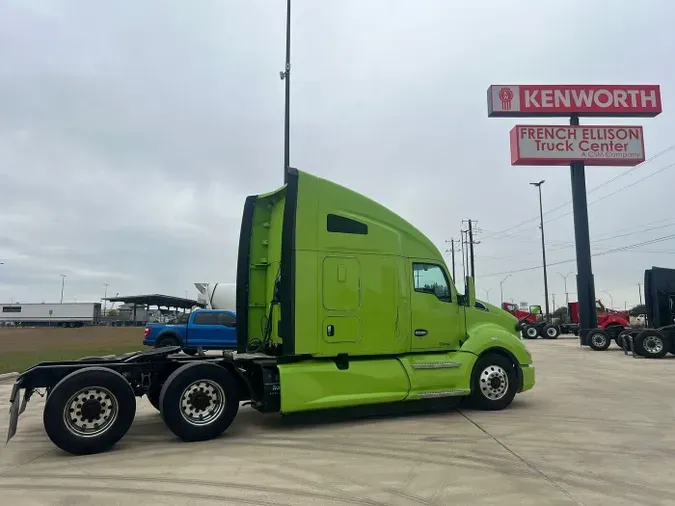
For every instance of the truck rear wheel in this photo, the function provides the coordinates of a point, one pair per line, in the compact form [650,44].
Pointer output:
[598,340]
[199,401]
[89,410]
[550,332]
[651,344]
[493,382]
[167,341]
[530,332]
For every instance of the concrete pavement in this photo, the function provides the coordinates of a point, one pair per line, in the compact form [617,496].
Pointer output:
[595,430]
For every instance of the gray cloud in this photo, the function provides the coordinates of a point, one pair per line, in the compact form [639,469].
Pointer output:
[130,132]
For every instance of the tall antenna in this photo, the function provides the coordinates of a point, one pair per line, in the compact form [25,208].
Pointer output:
[286,75]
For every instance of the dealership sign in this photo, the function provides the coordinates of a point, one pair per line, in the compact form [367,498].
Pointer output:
[562,145]
[567,100]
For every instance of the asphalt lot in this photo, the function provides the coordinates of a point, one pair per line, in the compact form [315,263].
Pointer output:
[595,430]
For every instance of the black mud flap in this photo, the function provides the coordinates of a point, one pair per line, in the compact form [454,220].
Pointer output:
[14,412]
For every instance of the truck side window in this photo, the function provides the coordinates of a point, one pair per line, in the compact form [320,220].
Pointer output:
[335,223]
[226,319]
[430,278]
[206,318]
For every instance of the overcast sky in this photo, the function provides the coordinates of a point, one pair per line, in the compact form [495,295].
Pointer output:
[131,132]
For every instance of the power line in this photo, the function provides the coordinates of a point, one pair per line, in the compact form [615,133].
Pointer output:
[609,181]
[601,253]
[619,190]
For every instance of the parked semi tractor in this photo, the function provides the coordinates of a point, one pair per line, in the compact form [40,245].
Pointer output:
[340,303]
[66,314]
[208,329]
[532,322]
[658,339]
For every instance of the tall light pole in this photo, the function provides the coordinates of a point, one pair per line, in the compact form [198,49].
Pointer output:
[543,243]
[105,298]
[611,299]
[63,285]
[487,294]
[286,76]
[501,288]
[567,295]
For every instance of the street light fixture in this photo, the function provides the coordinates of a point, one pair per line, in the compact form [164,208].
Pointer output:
[567,298]
[611,299]
[487,294]
[501,288]
[543,243]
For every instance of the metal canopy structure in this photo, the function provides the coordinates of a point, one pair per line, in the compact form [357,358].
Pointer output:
[157,300]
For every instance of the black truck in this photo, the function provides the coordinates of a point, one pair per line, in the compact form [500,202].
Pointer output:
[658,339]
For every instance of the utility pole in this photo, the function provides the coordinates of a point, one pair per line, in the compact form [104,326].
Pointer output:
[487,294]
[501,288]
[553,301]
[452,257]
[105,298]
[464,257]
[640,292]
[63,285]
[470,242]
[286,76]
[543,243]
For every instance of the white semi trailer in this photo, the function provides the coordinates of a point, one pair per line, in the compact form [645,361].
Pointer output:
[76,314]
[217,295]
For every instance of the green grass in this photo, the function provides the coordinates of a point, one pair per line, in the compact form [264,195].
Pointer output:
[21,360]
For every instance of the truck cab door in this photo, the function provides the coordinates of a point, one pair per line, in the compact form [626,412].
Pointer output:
[435,315]
[204,329]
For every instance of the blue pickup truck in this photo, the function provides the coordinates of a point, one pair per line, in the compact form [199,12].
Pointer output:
[209,329]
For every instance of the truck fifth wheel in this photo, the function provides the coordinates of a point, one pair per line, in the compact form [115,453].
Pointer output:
[340,303]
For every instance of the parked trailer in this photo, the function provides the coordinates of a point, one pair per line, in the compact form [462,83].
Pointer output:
[658,338]
[77,314]
[340,304]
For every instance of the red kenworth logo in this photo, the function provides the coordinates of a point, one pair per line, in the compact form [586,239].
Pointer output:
[506,96]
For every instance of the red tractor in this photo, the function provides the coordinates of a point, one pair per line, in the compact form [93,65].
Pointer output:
[612,322]
[531,322]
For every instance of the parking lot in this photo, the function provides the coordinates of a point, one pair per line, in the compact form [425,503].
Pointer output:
[595,430]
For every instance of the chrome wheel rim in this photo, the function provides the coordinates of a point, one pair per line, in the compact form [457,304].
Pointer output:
[494,382]
[202,402]
[551,332]
[531,332]
[90,412]
[653,345]
[598,340]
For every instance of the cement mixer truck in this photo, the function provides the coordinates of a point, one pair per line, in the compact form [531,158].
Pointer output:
[217,295]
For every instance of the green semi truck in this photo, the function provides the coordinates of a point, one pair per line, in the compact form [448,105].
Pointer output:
[340,303]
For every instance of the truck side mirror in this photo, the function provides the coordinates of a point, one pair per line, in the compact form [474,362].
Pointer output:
[470,292]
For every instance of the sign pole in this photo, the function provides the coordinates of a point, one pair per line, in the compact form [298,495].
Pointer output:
[585,283]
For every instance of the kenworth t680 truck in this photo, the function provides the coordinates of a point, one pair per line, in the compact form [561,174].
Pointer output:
[340,303]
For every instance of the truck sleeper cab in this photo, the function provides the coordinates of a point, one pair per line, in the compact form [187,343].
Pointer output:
[340,303]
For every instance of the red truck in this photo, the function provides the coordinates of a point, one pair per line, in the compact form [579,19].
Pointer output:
[531,323]
[531,326]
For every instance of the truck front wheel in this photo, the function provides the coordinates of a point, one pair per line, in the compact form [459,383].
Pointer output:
[89,410]
[651,344]
[493,383]
[199,401]
[598,340]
